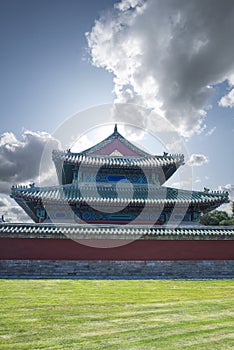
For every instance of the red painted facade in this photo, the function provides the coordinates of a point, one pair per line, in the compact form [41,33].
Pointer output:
[141,250]
[115,145]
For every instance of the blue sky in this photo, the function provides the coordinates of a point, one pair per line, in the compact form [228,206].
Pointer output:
[45,76]
[139,52]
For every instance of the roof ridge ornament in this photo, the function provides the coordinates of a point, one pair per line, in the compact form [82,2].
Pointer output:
[115,129]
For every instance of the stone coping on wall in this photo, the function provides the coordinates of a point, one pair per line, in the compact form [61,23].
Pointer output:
[88,231]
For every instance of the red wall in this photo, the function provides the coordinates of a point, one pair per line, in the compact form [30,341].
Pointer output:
[66,249]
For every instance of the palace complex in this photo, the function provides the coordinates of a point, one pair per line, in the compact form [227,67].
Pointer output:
[115,182]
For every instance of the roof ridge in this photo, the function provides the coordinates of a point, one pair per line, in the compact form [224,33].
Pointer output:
[106,141]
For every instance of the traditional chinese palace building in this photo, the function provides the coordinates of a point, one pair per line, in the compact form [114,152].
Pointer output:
[115,182]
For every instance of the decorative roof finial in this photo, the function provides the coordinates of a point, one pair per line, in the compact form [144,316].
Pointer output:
[115,129]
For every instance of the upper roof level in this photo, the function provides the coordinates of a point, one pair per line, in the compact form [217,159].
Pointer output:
[116,151]
[115,145]
[148,161]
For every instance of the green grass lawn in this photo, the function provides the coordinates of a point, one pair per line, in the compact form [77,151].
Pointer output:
[82,314]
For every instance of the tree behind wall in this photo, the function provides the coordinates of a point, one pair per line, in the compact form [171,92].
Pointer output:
[217,218]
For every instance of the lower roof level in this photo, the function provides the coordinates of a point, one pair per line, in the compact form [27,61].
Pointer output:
[106,194]
[130,232]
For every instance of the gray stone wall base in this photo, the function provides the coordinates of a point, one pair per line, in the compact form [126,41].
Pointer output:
[204,269]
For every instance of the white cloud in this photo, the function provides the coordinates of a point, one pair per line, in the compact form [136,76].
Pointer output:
[128,4]
[166,56]
[20,160]
[83,143]
[182,185]
[227,100]
[197,160]
[11,211]
[211,131]
[230,189]
[175,146]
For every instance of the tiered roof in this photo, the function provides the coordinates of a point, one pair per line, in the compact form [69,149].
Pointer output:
[116,151]
[106,194]
[148,161]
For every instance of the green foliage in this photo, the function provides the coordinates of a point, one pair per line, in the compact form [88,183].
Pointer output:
[216,218]
[102,315]
[229,222]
